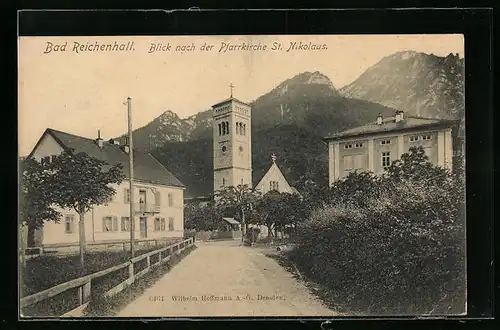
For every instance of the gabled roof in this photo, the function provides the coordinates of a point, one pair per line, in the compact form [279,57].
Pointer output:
[260,173]
[231,221]
[146,167]
[229,100]
[390,125]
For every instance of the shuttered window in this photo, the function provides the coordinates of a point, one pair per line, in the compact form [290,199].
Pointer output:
[157,224]
[171,224]
[126,195]
[347,163]
[125,224]
[359,162]
[170,199]
[109,224]
[69,224]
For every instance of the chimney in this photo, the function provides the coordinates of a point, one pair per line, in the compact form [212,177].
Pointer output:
[379,119]
[397,117]
[99,141]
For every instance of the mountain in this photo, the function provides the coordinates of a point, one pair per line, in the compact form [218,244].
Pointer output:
[417,83]
[289,121]
[169,127]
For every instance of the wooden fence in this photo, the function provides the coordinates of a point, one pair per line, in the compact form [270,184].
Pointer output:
[61,248]
[84,284]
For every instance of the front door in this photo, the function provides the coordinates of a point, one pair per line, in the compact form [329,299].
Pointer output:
[144,227]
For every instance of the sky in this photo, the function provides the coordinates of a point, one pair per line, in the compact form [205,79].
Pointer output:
[81,92]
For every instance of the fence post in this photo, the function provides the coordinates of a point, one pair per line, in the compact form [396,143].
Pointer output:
[131,271]
[86,288]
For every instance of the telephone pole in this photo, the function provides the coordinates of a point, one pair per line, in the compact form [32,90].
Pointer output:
[131,178]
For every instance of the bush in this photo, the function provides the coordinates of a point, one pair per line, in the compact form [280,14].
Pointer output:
[400,251]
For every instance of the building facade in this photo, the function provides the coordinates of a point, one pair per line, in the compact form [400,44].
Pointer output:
[373,147]
[158,196]
[274,179]
[232,143]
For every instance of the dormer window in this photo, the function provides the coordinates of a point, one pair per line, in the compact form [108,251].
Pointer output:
[414,138]
[358,145]
[385,142]
[426,137]
[348,146]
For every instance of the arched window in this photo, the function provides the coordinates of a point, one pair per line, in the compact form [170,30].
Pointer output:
[277,186]
[237,128]
[220,130]
[227,127]
[270,185]
[223,128]
[244,129]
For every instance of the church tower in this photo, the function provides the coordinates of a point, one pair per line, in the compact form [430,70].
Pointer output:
[232,132]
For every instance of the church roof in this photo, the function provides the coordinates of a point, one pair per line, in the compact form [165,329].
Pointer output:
[146,167]
[390,125]
[229,100]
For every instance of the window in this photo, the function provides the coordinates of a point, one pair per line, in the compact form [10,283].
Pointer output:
[157,224]
[274,185]
[170,199]
[170,224]
[359,162]
[426,137]
[220,129]
[348,146]
[241,181]
[384,142]
[244,129]
[223,182]
[227,127]
[358,145]
[125,224]
[126,195]
[45,160]
[347,163]
[69,223]
[157,198]
[413,138]
[109,224]
[162,224]
[386,159]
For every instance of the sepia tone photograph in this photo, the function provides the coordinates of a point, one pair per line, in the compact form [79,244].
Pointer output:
[241,176]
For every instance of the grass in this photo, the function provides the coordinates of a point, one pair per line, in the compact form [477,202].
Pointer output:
[47,271]
[320,291]
[100,306]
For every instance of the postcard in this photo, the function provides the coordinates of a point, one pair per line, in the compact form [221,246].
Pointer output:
[241,176]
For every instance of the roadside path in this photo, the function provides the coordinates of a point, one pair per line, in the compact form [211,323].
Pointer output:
[225,279]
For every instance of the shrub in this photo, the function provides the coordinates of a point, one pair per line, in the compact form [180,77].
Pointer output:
[396,247]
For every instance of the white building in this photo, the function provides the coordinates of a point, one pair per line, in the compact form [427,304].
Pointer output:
[158,195]
[373,147]
[232,143]
[274,180]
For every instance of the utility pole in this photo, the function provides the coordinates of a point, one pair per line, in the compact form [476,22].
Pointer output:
[131,178]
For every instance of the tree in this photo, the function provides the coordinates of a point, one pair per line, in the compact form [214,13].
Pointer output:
[267,209]
[82,182]
[201,217]
[36,196]
[242,198]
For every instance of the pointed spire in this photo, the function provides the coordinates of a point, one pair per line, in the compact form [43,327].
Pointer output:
[231,86]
